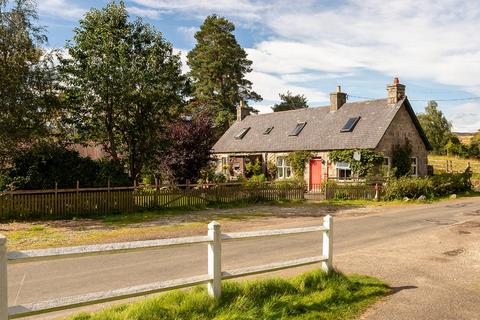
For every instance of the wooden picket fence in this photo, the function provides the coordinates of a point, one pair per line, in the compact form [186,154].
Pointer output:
[350,191]
[64,203]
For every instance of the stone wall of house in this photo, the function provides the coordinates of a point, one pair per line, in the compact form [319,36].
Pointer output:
[401,130]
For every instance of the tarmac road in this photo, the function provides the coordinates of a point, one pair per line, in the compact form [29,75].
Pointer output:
[429,254]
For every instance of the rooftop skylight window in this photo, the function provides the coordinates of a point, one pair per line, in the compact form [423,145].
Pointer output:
[268,130]
[298,128]
[242,133]
[350,125]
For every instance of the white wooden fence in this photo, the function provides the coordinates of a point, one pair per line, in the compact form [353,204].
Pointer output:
[213,279]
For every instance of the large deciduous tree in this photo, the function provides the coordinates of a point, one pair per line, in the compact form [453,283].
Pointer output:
[290,102]
[123,84]
[27,75]
[218,66]
[437,128]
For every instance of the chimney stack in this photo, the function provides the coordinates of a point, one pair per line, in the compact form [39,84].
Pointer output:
[396,91]
[242,112]
[337,99]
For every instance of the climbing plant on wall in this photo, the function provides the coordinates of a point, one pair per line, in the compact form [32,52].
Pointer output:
[368,160]
[298,161]
[402,160]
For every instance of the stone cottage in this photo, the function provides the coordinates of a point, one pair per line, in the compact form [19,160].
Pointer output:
[378,125]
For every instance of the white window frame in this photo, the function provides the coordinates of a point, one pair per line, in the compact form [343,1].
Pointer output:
[224,164]
[284,168]
[387,166]
[414,166]
[343,167]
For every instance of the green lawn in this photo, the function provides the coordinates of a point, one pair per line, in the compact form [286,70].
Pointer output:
[313,295]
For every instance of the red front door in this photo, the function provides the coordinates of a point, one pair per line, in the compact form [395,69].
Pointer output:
[315,174]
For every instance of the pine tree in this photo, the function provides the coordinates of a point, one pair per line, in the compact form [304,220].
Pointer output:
[290,102]
[218,68]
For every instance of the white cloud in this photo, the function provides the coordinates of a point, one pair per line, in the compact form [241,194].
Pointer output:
[60,9]
[465,117]
[144,12]
[269,86]
[183,59]
[238,8]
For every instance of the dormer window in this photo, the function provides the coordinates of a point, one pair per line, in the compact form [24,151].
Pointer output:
[350,125]
[242,133]
[268,130]
[298,128]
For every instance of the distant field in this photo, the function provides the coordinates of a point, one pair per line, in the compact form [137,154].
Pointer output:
[455,164]
[464,137]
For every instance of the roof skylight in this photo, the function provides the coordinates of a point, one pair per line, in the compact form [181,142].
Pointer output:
[298,128]
[242,133]
[350,125]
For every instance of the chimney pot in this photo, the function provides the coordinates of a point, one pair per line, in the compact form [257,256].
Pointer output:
[337,99]
[396,91]
[242,112]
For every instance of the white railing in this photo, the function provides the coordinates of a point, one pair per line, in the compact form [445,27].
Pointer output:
[213,278]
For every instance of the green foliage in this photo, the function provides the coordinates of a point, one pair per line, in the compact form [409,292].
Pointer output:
[312,295]
[123,83]
[271,170]
[402,160]
[438,185]
[40,166]
[218,66]
[437,128]
[27,78]
[253,168]
[290,102]
[298,160]
[368,160]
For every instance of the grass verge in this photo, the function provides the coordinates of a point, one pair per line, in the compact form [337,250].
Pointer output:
[312,295]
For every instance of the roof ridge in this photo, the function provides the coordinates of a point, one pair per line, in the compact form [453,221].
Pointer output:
[312,108]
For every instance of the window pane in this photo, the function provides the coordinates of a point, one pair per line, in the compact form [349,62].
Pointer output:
[348,173]
[288,172]
[279,161]
[385,161]
[279,172]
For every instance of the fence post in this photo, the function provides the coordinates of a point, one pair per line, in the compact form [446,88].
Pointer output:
[327,243]
[215,260]
[3,279]
[55,206]
[377,192]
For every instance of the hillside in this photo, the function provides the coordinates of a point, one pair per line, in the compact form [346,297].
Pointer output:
[465,137]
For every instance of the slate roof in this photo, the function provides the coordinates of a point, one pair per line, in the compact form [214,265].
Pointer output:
[322,131]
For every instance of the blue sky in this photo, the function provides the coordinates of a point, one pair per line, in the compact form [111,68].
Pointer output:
[309,47]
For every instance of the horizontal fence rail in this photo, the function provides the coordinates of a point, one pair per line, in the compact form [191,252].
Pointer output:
[213,278]
[66,203]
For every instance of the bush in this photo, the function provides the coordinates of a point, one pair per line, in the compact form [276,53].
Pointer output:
[438,185]
[410,187]
[253,168]
[43,164]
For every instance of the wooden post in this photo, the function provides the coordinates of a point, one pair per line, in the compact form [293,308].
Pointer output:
[328,243]
[215,260]
[55,205]
[77,198]
[108,195]
[3,279]
[377,193]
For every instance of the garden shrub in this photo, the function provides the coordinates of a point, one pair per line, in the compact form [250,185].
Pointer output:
[253,168]
[43,164]
[438,185]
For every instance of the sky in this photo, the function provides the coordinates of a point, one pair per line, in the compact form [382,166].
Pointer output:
[309,47]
